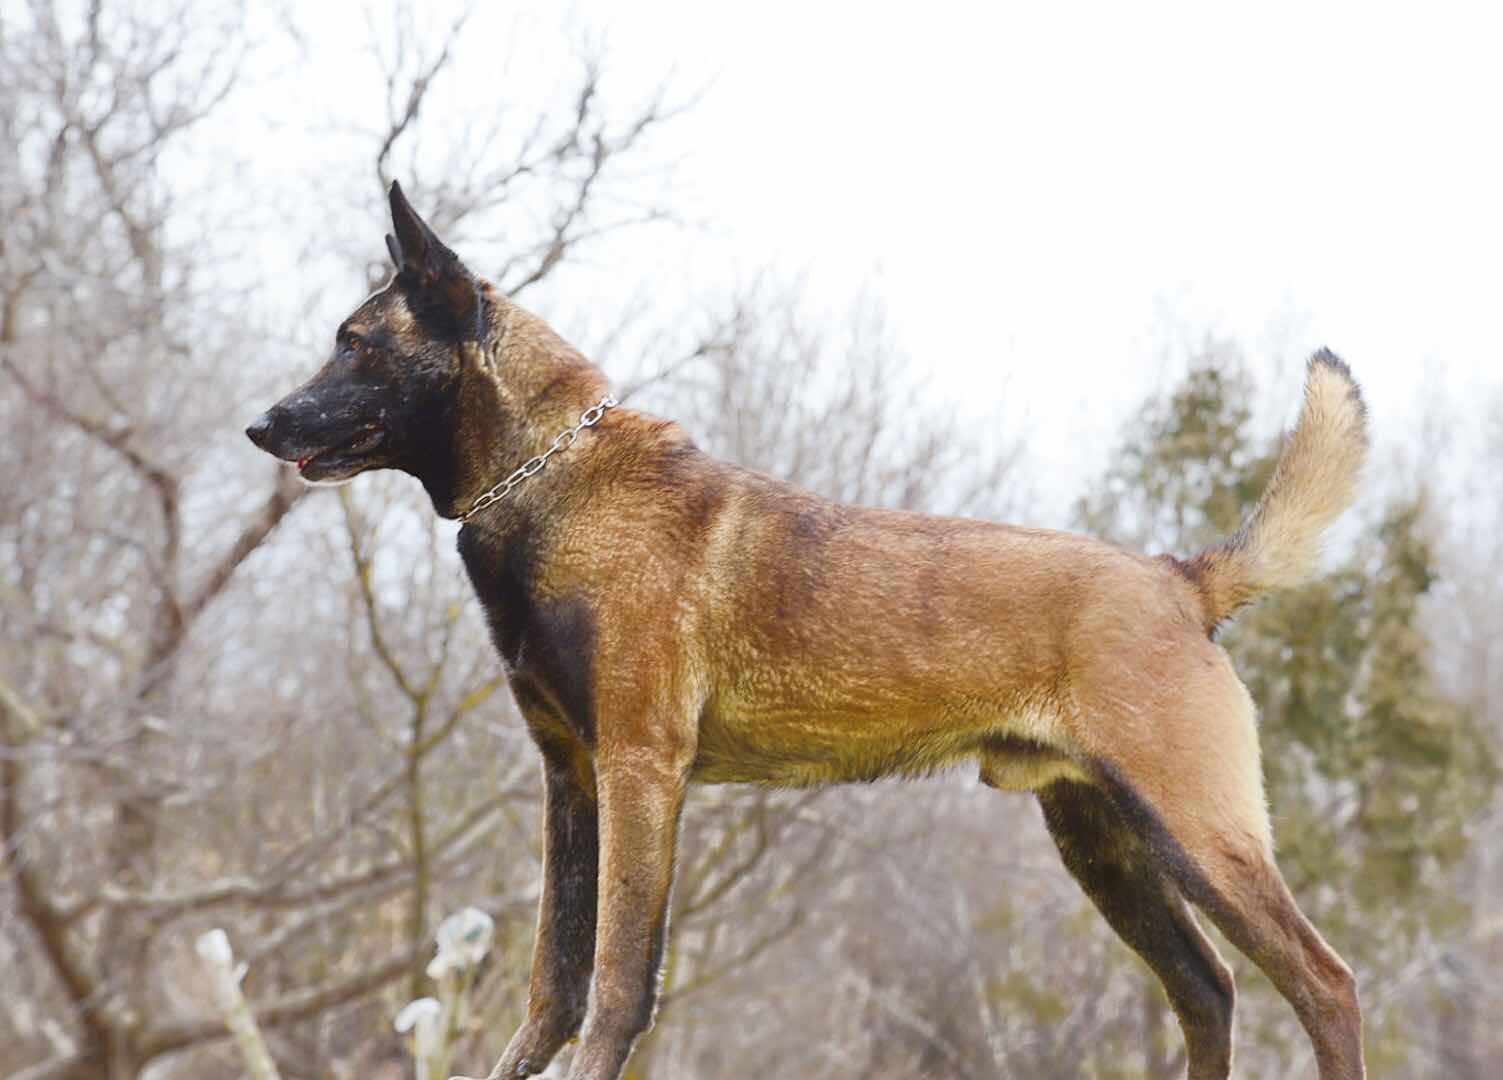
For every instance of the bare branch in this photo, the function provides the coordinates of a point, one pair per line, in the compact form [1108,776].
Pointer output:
[34,905]
[368,604]
[285,495]
[289,1007]
[417,90]
[67,1067]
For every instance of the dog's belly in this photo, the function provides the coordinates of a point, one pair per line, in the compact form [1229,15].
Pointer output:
[1017,746]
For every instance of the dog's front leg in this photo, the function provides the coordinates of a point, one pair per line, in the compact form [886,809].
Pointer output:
[641,793]
[564,951]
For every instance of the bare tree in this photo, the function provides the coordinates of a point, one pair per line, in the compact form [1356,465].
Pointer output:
[175,752]
[104,600]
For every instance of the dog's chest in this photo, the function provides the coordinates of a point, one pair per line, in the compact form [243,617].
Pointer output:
[547,642]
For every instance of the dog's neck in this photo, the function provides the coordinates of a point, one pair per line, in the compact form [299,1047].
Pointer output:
[514,397]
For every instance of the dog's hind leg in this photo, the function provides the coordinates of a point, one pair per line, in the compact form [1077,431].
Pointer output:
[1245,895]
[1184,773]
[1146,909]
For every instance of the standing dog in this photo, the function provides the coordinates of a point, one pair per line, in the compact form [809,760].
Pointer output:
[667,617]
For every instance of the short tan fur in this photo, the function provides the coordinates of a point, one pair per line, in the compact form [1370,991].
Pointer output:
[666,617]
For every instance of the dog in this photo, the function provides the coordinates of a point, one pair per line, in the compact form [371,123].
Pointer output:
[665,617]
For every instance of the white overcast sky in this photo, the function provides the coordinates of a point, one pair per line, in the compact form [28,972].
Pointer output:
[1042,195]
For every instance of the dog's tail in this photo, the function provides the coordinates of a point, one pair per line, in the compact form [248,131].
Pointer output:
[1314,481]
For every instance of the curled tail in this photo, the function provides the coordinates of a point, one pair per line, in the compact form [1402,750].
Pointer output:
[1314,481]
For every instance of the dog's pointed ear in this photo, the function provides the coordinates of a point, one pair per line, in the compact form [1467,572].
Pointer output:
[439,281]
[415,249]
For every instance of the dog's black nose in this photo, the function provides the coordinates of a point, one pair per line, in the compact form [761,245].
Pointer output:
[260,429]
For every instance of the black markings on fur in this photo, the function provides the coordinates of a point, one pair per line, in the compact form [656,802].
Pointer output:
[1018,747]
[1326,358]
[434,460]
[572,867]
[547,642]
[701,481]
[442,293]
[1144,823]
[403,384]
[1122,870]
[800,579]
[1191,571]
[813,525]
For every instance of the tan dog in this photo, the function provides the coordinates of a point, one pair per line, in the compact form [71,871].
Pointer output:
[667,617]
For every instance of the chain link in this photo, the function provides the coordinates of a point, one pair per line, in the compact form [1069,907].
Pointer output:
[562,441]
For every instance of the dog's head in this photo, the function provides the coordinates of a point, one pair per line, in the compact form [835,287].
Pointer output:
[386,395]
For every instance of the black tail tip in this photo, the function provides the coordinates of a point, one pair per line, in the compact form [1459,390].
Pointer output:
[1326,358]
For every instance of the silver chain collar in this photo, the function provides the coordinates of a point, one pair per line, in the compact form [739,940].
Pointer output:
[562,441]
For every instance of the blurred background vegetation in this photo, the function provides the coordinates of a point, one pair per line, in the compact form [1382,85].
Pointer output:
[227,700]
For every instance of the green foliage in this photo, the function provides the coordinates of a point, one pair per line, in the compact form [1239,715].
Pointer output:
[1020,991]
[1185,469]
[1372,773]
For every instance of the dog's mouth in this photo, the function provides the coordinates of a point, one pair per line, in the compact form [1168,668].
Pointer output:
[342,460]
